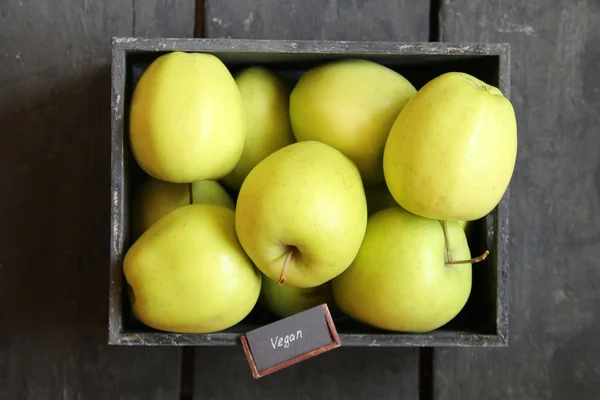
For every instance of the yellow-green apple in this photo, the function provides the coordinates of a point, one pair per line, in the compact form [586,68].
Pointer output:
[187,119]
[301,214]
[451,152]
[351,106]
[401,279]
[210,192]
[266,99]
[284,300]
[189,274]
[155,198]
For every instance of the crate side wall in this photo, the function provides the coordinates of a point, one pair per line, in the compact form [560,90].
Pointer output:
[118,206]
[502,227]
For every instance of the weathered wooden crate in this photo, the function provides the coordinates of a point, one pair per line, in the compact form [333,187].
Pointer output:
[483,321]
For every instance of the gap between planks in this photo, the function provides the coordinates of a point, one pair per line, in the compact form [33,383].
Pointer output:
[434,22]
[199,26]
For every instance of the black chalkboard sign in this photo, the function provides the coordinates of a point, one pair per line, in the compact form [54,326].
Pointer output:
[290,340]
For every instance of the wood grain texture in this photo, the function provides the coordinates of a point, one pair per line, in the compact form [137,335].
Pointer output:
[554,351]
[342,373]
[397,20]
[54,223]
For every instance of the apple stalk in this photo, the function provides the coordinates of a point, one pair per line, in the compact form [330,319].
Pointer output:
[288,258]
[448,253]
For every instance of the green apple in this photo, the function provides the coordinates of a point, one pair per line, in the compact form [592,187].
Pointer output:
[211,192]
[155,198]
[284,300]
[301,214]
[189,274]
[451,152]
[266,99]
[379,198]
[401,279]
[351,106]
[187,121]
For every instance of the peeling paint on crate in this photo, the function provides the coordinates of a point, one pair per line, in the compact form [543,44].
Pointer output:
[125,40]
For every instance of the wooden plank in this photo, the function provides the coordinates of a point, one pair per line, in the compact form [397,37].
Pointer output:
[339,374]
[54,224]
[397,20]
[345,373]
[553,352]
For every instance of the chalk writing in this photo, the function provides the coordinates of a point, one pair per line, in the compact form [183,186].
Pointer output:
[285,341]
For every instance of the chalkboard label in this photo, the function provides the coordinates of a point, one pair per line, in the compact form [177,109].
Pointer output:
[290,340]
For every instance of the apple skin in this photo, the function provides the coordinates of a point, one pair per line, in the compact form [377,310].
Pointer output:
[187,120]
[266,100]
[306,199]
[451,153]
[189,274]
[399,280]
[284,300]
[211,192]
[155,199]
[351,106]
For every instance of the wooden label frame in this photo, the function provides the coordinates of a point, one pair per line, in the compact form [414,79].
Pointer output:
[312,352]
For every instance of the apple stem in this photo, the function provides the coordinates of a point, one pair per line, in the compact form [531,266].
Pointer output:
[288,258]
[191,193]
[472,260]
[447,243]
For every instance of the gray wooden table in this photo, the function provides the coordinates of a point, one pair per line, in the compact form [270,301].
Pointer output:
[54,225]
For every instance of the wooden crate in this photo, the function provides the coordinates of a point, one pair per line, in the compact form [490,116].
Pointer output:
[484,320]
